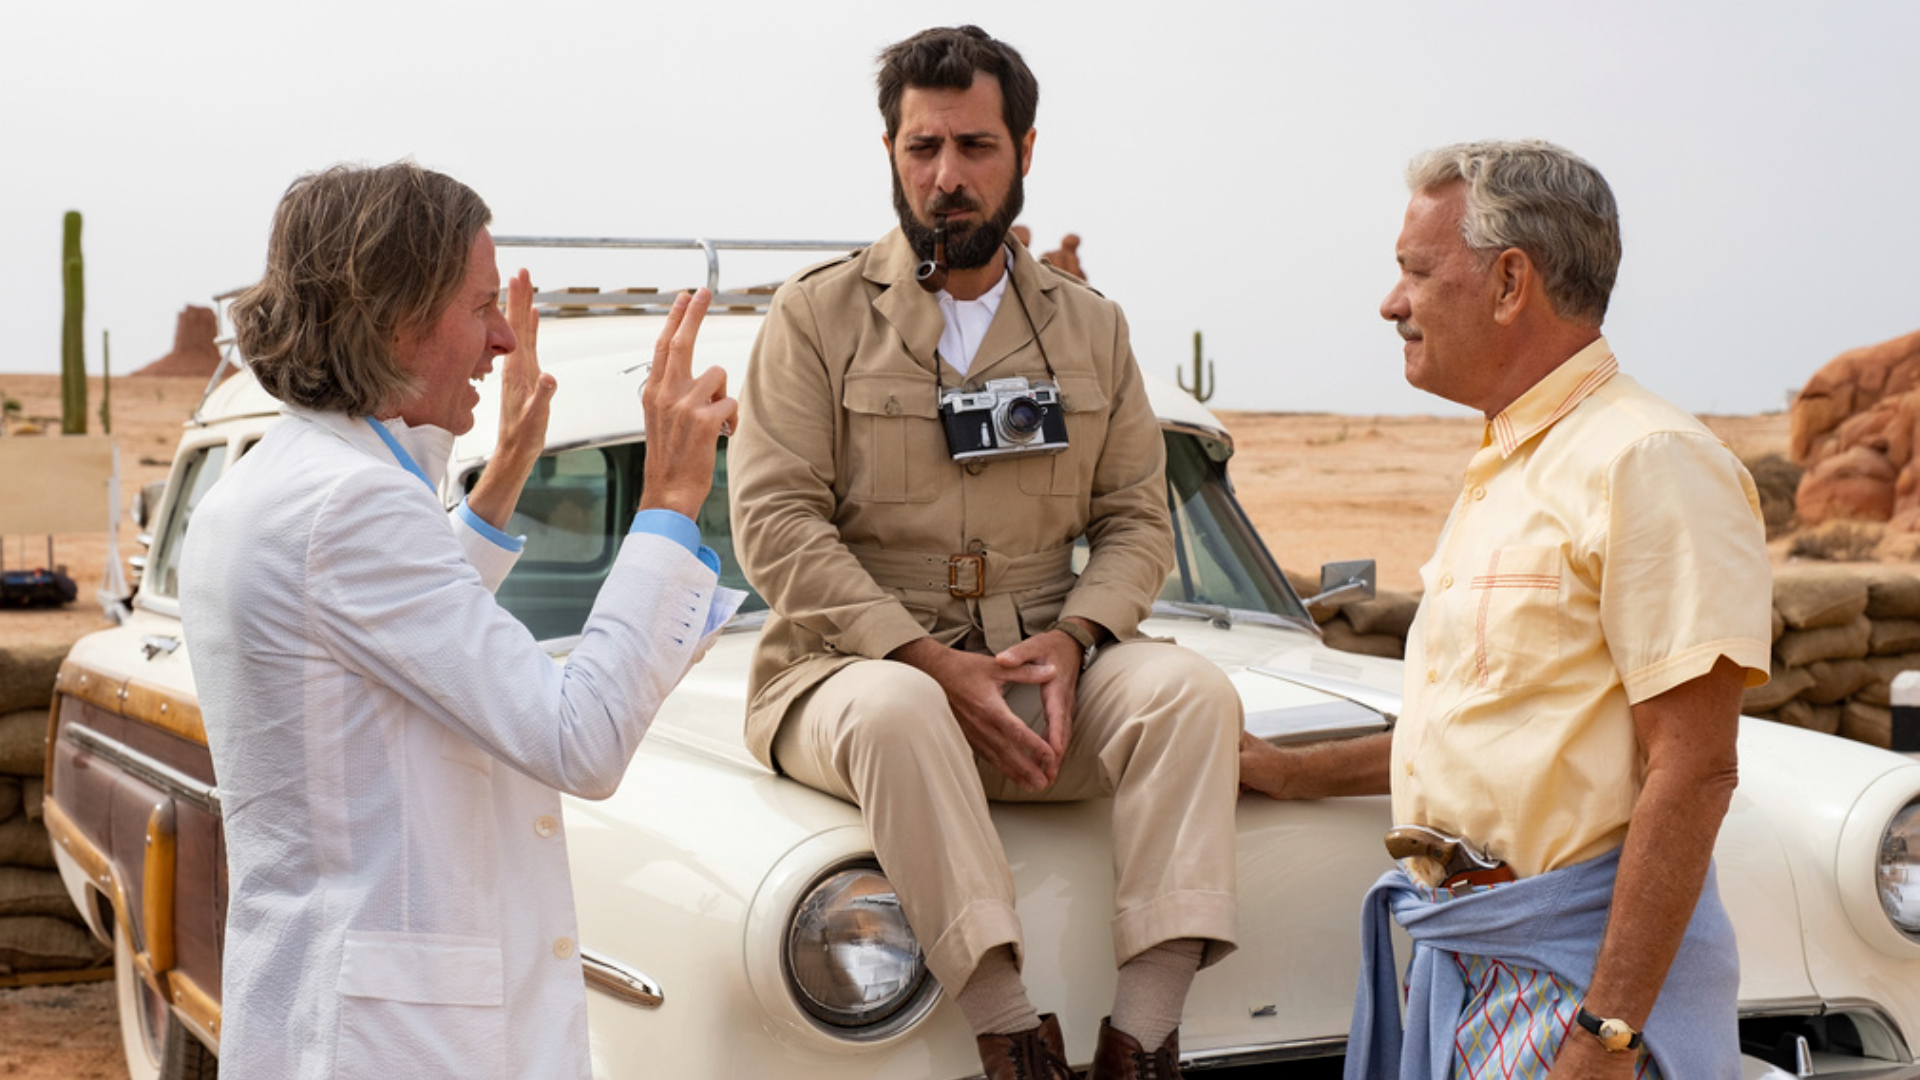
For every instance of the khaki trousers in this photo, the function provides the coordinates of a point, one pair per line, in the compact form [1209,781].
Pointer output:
[1155,726]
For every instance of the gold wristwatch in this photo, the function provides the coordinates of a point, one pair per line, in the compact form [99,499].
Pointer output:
[1617,1036]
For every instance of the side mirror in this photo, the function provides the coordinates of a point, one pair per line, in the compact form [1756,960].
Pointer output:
[1344,583]
[146,501]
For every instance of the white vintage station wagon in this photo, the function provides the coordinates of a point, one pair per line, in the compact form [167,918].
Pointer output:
[736,924]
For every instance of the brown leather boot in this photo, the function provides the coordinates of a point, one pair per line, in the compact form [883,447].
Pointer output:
[1036,1054]
[1119,1057]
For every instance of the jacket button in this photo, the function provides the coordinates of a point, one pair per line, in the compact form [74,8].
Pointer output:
[893,405]
[1446,581]
[975,547]
[975,467]
[545,825]
[562,947]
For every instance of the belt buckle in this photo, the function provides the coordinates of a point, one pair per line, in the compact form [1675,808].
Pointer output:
[979,564]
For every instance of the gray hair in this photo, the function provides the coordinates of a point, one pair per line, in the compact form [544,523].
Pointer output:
[1542,199]
[357,255]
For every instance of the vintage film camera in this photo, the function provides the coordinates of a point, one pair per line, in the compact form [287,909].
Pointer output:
[1007,416]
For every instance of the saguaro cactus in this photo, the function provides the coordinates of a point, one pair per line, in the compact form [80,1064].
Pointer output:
[73,351]
[1203,381]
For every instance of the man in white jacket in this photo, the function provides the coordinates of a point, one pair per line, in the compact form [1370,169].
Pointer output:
[389,742]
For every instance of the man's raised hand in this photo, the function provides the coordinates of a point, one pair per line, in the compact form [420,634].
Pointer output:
[686,414]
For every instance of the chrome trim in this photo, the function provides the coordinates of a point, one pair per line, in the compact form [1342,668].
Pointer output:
[1802,1006]
[163,776]
[1231,1057]
[620,982]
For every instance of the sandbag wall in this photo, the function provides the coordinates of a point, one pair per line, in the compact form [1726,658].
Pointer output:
[1840,635]
[41,936]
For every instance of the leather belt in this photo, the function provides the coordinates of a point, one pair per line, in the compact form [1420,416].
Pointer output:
[986,578]
[1444,862]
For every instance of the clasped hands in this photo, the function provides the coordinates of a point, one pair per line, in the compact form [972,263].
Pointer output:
[976,686]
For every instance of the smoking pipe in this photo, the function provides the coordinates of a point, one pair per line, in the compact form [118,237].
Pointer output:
[932,274]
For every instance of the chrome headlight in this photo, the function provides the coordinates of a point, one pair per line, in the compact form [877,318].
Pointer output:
[851,958]
[1898,871]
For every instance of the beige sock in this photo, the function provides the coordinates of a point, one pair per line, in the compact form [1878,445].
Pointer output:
[1152,990]
[994,1000]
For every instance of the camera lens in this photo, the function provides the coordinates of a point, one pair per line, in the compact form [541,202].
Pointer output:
[1022,418]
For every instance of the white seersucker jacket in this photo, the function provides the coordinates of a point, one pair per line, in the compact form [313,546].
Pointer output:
[389,743]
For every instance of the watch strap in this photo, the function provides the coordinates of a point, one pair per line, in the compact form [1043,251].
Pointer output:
[1082,636]
[1617,1036]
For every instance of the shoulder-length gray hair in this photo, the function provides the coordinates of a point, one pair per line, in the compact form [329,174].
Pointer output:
[357,256]
[1544,200]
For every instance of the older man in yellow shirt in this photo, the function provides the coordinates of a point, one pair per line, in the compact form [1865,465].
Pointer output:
[1597,602]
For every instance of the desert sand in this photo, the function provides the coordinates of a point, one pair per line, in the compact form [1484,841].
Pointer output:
[1318,487]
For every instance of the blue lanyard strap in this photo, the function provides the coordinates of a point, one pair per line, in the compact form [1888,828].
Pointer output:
[400,453]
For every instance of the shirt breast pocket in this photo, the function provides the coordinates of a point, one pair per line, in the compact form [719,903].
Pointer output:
[1070,472]
[895,438]
[1517,606]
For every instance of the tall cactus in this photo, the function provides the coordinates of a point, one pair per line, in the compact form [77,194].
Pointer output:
[73,351]
[1203,382]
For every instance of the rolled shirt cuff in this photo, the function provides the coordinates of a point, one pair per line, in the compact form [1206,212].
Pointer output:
[679,528]
[478,524]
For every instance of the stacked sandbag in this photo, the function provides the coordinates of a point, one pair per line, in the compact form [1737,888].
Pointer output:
[40,932]
[1841,633]
[1376,627]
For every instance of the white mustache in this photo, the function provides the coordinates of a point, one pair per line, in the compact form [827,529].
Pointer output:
[1406,330]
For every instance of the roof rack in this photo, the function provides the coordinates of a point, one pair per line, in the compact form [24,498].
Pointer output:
[590,301]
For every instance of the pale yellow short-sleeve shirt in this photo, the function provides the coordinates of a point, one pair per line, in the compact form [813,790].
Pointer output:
[1605,547]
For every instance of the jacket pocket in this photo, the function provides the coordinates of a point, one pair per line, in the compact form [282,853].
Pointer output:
[1517,602]
[1070,472]
[431,1001]
[897,441]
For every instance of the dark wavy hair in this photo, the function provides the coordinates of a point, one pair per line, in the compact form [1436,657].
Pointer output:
[357,256]
[946,58]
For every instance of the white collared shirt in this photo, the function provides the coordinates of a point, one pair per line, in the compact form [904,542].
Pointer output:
[967,321]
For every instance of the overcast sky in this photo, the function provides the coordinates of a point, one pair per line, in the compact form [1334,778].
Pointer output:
[1234,168]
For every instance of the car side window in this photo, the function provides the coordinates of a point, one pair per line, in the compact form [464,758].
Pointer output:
[203,466]
[574,512]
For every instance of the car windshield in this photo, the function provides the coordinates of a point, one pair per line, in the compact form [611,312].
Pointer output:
[578,504]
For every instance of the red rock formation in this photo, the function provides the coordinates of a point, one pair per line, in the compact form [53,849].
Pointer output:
[1853,485]
[1856,427]
[1848,385]
[193,349]
[1068,257]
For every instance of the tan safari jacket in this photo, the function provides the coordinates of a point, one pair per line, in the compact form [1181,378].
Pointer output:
[846,505]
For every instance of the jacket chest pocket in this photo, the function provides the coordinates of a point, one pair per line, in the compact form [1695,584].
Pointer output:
[1517,613]
[1070,472]
[895,441]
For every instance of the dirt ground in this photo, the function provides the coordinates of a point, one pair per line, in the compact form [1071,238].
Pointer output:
[1318,488]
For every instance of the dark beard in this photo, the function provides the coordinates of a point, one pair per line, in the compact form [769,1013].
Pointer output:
[969,247]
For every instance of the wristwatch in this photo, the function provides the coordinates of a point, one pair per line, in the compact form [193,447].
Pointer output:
[1081,635]
[1617,1036]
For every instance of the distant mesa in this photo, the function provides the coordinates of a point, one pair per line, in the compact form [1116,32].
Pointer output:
[193,349]
[1856,429]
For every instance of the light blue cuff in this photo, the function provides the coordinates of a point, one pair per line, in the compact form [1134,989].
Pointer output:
[679,528]
[515,544]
